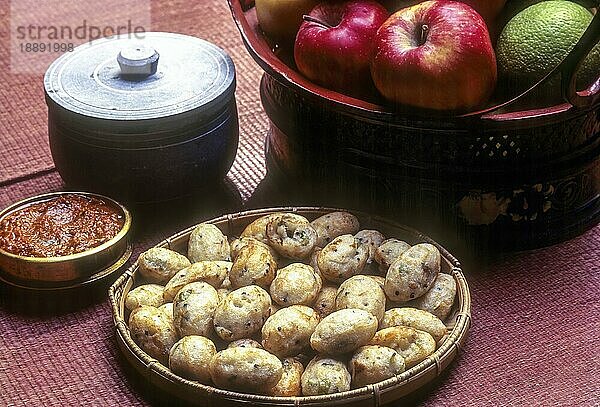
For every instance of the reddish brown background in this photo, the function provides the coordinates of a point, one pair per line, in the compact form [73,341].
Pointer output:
[536,315]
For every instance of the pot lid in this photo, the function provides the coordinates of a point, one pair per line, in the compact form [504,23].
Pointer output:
[126,78]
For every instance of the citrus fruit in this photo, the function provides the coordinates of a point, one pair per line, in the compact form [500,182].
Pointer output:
[538,38]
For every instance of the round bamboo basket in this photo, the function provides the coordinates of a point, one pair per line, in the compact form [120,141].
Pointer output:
[378,394]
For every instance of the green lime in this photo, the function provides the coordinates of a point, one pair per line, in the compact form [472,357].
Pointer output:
[538,38]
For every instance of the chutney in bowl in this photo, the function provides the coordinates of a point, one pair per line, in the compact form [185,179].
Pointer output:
[62,237]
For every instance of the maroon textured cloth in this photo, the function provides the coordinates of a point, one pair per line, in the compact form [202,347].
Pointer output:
[536,315]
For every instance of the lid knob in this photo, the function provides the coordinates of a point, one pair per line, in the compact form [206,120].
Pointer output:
[138,61]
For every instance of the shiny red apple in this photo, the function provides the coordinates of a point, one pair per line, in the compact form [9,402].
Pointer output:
[435,55]
[335,44]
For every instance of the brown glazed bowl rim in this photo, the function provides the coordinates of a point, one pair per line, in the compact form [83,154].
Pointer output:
[261,51]
[122,234]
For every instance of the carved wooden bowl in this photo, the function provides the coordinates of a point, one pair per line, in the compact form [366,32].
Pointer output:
[499,179]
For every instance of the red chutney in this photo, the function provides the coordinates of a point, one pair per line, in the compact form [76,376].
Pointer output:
[60,226]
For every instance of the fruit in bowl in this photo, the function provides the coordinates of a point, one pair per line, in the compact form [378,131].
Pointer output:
[525,54]
[335,44]
[435,55]
[280,19]
[445,65]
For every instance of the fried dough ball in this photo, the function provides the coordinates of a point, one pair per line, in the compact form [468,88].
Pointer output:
[194,308]
[325,302]
[371,239]
[373,363]
[287,332]
[389,251]
[343,331]
[334,224]
[415,318]
[146,294]
[246,369]
[361,292]
[412,344]
[242,313]
[211,272]
[290,383]
[207,242]
[296,284]
[291,235]
[342,258]
[159,264]
[257,229]
[440,297]
[153,331]
[413,273]
[324,375]
[190,358]
[254,265]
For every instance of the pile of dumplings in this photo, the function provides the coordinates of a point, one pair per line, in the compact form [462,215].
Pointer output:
[291,307]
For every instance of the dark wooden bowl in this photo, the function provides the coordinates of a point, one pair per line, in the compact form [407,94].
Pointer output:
[503,179]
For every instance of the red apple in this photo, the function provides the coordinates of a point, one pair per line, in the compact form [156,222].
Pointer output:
[335,44]
[435,55]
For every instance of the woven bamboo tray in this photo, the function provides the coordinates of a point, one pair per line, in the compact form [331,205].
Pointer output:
[381,393]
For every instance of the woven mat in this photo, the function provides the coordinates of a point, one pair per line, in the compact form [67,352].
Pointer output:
[534,340]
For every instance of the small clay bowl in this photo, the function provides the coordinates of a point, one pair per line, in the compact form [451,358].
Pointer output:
[67,270]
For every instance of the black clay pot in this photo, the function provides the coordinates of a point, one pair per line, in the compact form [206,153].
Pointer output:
[143,119]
